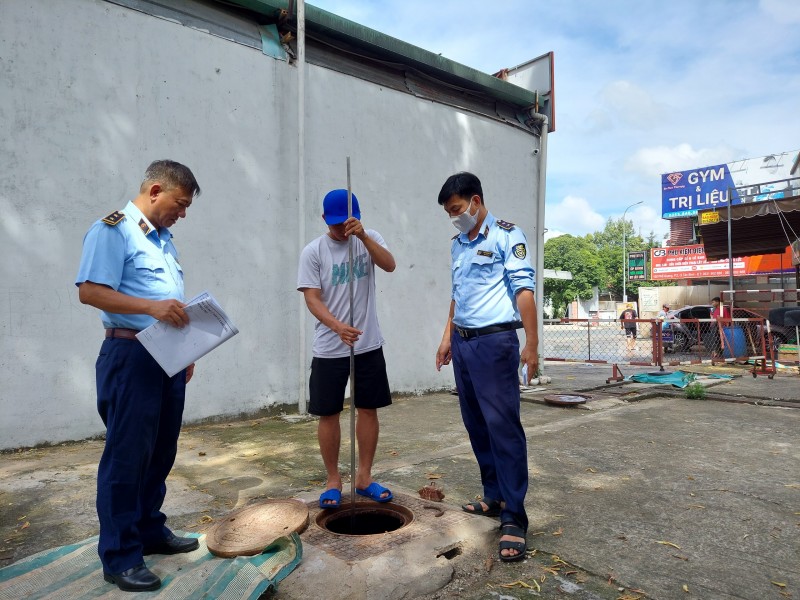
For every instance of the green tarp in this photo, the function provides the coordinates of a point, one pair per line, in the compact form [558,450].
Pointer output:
[678,379]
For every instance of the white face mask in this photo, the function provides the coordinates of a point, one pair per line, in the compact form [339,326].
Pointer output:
[465,222]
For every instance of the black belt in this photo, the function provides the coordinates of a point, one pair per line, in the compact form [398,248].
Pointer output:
[121,332]
[471,333]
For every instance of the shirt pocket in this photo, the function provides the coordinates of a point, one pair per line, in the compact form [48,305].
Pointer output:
[485,267]
[148,269]
[178,269]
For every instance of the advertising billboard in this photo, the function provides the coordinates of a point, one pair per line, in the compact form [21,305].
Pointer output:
[683,193]
[689,262]
[637,271]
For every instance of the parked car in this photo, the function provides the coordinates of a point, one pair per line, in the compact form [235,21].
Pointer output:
[683,336]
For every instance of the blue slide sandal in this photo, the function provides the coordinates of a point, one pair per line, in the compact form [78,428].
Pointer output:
[333,498]
[374,491]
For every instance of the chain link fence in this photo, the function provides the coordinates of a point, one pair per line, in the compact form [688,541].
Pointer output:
[603,340]
[656,343]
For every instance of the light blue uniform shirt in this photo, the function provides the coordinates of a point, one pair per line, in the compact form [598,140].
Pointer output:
[488,272]
[134,258]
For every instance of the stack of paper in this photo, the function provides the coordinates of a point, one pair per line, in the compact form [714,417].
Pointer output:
[175,349]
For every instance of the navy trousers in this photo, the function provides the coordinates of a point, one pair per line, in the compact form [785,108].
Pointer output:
[486,373]
[142,409]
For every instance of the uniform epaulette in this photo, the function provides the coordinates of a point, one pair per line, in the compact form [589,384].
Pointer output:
[114,218]
[505,225]
[455,236]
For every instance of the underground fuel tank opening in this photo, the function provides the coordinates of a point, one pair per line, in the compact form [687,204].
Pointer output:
[372,519]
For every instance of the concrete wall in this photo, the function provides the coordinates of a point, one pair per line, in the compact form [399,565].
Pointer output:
[584,309]
[93,92]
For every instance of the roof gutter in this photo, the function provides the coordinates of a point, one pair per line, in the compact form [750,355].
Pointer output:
[333,26]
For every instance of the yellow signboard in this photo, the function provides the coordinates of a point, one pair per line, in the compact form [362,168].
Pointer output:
[709,218]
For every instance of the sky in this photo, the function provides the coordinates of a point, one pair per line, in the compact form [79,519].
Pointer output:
[642,87]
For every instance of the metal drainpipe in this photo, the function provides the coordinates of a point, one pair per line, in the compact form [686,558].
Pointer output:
[730,253]
[540,193]
[301,187]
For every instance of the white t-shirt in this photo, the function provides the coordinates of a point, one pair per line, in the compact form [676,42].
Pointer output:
[324,266]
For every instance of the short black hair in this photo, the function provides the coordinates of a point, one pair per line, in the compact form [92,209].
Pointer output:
[717,299]
[463,185]
[171,174]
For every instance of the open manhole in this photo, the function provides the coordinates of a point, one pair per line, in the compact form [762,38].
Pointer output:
[365,519]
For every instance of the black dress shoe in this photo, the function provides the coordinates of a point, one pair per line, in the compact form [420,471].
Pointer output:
[172,545]
[135,579]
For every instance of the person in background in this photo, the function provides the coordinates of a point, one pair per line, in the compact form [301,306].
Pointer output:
[492,297]
[629,326]
[714,341]
[717,308]
[662,316]
[130,271]
[324,278]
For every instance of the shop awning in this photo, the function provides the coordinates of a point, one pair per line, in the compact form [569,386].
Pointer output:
[766,227]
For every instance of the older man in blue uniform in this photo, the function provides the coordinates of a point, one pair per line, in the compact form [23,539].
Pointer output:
[492,297]
[130,271]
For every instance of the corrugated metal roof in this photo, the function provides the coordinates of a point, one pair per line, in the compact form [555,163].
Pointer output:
[756,228]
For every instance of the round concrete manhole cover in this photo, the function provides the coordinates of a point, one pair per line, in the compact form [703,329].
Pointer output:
[250,530]
[566,399]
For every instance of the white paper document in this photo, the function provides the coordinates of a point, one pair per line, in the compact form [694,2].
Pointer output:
[175,349]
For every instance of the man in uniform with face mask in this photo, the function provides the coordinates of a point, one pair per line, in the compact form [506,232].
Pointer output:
[492,297]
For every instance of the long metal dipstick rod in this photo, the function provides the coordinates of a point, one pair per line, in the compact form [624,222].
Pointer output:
[352,354]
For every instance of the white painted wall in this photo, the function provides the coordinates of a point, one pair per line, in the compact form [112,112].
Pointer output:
[582,309]
[92,92]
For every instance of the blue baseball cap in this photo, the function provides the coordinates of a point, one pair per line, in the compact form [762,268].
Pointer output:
[334,207]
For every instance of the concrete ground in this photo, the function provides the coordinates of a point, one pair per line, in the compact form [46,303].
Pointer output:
[639,493]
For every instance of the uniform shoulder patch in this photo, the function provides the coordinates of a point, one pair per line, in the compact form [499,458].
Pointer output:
[144,226]
[114,218]
[519,251]
[505,225]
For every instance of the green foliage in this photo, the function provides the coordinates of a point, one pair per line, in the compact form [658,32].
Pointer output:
[608,244]
[695,391]
[576,255]
[594,260]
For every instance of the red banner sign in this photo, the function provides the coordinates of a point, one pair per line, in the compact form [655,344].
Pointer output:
[689,262]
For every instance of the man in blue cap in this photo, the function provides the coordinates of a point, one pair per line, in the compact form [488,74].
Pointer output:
[492,297]
[324,278]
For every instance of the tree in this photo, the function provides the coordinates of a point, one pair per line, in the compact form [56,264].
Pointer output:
[576,255]
[594,260]
[608,245]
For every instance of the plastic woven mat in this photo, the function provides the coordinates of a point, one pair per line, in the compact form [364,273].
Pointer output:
[74,571]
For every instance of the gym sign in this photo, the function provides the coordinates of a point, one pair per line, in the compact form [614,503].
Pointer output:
[684,193]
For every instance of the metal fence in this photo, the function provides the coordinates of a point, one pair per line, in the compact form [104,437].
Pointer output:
[602,341]
[649,342]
